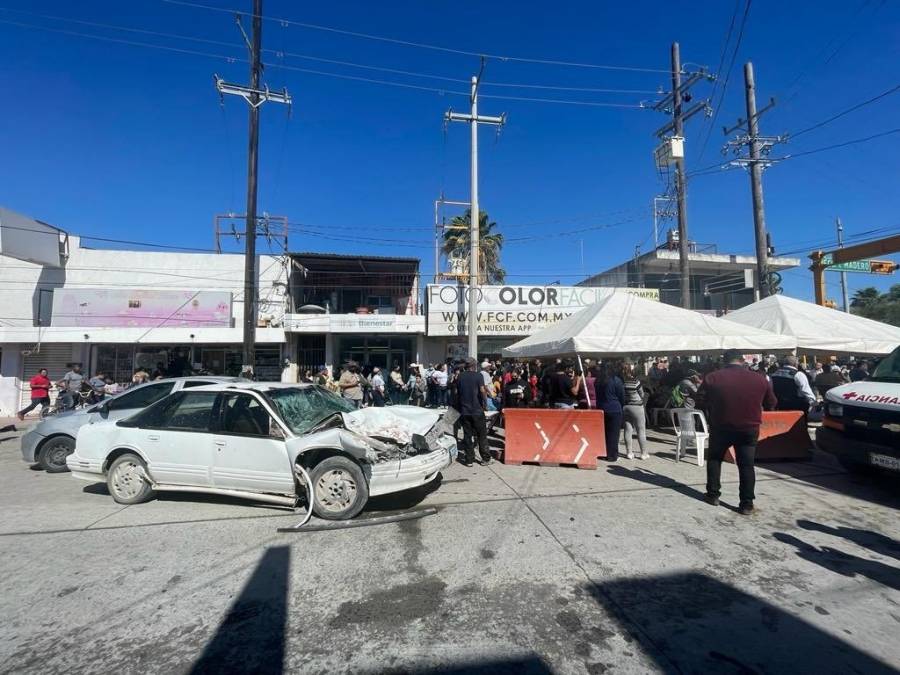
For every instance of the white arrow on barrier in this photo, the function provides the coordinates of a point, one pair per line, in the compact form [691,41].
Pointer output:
[584,445]
[537,457]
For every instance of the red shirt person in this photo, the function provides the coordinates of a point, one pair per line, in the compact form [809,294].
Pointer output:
[40,393]
[734,398]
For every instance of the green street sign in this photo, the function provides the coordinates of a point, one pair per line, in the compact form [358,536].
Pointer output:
[852,266]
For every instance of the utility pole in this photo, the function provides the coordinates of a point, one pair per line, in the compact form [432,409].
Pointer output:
[672,152]
[759,148]
[255,97]
[840,241]
[684,264]
[474,213]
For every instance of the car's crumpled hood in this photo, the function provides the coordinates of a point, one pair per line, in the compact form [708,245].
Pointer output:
[397,422]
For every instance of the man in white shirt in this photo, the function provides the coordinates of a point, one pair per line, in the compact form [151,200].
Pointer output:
[439,377]
[377,387]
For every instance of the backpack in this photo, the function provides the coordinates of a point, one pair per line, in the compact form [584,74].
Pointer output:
[677,397]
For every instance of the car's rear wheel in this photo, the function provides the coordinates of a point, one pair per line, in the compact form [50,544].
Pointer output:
[53,454]
[340,490]
[127,480]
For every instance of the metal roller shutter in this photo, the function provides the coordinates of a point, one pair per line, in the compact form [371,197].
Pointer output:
[54,357]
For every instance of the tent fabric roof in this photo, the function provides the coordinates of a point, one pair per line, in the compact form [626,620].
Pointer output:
[622,323]
[819,328]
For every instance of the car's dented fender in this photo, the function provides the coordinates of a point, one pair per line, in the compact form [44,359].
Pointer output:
[358,447]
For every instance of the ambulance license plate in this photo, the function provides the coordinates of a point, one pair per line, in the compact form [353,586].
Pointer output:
[885,461]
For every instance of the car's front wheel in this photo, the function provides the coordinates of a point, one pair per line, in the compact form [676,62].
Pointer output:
[340,490]
[127,480]
[53,454]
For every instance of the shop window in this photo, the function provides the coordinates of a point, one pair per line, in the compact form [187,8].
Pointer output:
[116,361]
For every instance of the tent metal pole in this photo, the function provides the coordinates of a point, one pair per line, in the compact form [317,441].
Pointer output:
[587,394]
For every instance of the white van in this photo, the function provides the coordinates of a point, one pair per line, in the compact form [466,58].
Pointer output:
[861,426]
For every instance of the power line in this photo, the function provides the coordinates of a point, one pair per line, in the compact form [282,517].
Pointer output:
[737,46]
[737,6]
[281,53]
[837,145]
[844,29]
[311,71]
[831,119]
[420,45]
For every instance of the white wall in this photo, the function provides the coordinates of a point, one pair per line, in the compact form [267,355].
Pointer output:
[88,268]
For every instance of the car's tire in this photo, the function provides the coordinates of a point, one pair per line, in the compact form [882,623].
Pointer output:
[126,480]
[53,453]
[340,490]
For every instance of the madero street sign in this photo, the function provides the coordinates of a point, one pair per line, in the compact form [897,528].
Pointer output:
[865,266]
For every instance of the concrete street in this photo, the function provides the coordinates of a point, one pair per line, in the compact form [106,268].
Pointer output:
[523,569]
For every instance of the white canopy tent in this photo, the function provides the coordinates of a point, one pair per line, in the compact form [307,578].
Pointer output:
[623,324]
[819,328]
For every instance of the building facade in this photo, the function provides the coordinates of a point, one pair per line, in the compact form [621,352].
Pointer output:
[62,302]
[719,282]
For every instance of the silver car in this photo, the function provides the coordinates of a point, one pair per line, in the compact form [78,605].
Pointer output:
[263,441]
[50,441]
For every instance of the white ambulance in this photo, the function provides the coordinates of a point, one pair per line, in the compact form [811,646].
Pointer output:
[861,426]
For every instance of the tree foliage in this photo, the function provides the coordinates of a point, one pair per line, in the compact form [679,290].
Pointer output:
[885,307]
[456,245]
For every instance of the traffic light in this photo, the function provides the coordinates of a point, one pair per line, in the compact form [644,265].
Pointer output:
[882,266]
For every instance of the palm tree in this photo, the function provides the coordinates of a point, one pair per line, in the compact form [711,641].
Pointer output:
[864,297]
[456,245]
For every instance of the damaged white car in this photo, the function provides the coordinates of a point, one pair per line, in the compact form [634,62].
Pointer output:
[249,440]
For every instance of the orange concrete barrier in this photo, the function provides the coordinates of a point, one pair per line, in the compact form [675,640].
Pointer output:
[549,437]
[782,436]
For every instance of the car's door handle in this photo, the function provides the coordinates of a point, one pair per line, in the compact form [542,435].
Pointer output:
[153,437]
[221,444]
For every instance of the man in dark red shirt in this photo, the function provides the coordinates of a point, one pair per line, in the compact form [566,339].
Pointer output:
[40,393]
[734,398]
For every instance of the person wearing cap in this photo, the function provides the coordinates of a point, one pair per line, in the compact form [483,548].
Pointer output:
[350,385]
[486,368]
[470,401]
[734,399]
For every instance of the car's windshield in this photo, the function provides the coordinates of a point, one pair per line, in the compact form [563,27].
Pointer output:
[302,408]
[889,369]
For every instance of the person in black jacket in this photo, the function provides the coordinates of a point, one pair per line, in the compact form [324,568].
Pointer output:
[517,392]
[610,392]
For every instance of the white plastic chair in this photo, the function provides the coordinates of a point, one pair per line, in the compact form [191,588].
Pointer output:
[691,431]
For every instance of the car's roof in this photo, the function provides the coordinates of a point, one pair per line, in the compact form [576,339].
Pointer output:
[253,386]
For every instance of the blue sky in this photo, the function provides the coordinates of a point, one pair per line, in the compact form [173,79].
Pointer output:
[119,140]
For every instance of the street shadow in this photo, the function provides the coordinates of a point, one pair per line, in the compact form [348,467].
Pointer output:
[874,541]
[693,623]
[842,563]
[656,480]
[251,637]
[96,489]
[525,665]
[403,501]
[824,472]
